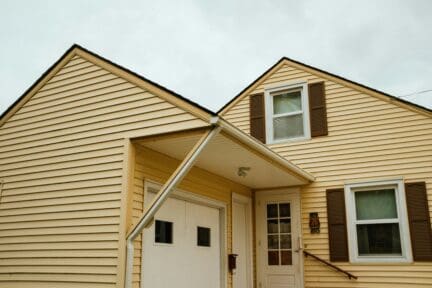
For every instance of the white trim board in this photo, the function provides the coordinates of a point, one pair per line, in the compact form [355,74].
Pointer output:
[247,201]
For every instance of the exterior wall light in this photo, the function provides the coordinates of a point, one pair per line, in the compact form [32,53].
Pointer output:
[242,171]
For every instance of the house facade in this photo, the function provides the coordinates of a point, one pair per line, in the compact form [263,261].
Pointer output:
[304,179]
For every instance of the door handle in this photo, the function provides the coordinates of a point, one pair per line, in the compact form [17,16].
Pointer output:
[299,244]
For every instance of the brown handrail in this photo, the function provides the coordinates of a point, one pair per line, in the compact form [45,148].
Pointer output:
[349,275]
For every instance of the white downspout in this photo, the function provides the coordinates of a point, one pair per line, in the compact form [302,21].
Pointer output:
[162,195]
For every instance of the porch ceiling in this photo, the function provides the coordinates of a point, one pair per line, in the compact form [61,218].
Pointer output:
[224,155]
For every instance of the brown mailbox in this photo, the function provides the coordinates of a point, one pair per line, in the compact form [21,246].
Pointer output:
[232,262]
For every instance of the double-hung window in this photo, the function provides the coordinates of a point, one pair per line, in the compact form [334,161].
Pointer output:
[287,113]
[377,222]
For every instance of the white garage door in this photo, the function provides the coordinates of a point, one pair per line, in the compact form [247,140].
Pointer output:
[182,247]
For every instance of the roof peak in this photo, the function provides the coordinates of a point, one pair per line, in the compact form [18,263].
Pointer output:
[285,58]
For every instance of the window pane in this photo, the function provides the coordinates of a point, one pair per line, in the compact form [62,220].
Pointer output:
[285,241]
[272,226]
[273,258]
[287,102]
[285,225]
[377,204]
[272,211]
[288,127]
[284,210]
[163,232]
[273,241]
[286,258]
[203,236]
[378,239]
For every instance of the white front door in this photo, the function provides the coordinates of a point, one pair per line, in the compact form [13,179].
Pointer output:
[242,241]
[278,229]
[182,247]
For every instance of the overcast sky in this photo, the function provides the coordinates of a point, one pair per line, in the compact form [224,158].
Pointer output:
[210,50]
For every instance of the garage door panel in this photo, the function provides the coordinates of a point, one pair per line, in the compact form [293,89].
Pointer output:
[186,260]
[158,256]
[204,255]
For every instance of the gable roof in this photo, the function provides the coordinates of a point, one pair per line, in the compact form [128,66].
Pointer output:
[171,96]
[159,90]
[324,74]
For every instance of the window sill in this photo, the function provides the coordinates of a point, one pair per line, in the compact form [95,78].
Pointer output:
[381,261]
[288,140]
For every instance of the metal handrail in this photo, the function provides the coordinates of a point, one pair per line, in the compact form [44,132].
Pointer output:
[349,275]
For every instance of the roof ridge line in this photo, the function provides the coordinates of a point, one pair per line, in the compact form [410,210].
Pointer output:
[324,72]
[77,46]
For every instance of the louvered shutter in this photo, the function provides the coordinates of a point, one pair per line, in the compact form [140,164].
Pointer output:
[337,228]
[419,221]
[257,117]
[317,109]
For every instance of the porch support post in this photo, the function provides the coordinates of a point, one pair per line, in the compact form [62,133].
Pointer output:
[162,195]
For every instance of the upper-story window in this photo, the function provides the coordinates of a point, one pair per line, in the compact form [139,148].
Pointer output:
[287,113]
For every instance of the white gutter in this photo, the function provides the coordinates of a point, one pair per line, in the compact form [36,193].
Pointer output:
[249,141]
[162,195]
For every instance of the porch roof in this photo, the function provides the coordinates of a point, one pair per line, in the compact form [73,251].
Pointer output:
[233,155]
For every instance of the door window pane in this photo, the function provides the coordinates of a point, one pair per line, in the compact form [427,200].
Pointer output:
[285,241]
[287,102]
[284,210]
[273,258]
[203,236]
[272,226]
[285,225]
[379,239]
[163,232]
[273,241]
[272,211]
[376,204]
[286,258]
[288,127]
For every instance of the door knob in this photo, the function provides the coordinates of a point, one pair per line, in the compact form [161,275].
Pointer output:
[299,244]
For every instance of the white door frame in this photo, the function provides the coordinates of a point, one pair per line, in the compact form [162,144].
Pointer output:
[297,243]
[247,201]
[197,199]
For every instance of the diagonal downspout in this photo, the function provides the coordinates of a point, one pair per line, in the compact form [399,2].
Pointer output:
[162,195]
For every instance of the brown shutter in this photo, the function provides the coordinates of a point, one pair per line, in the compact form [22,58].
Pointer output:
[337,229]
[419,221]
[257,117]
[317,109]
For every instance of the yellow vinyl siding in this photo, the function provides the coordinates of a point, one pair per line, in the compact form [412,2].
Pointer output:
[154,166]
[238,115]
[61,160]
[368,138]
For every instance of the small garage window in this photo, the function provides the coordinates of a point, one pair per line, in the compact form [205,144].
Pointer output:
[163,232]
[203,236]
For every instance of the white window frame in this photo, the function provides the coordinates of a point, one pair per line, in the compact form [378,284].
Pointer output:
[398,185]
[269,90]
